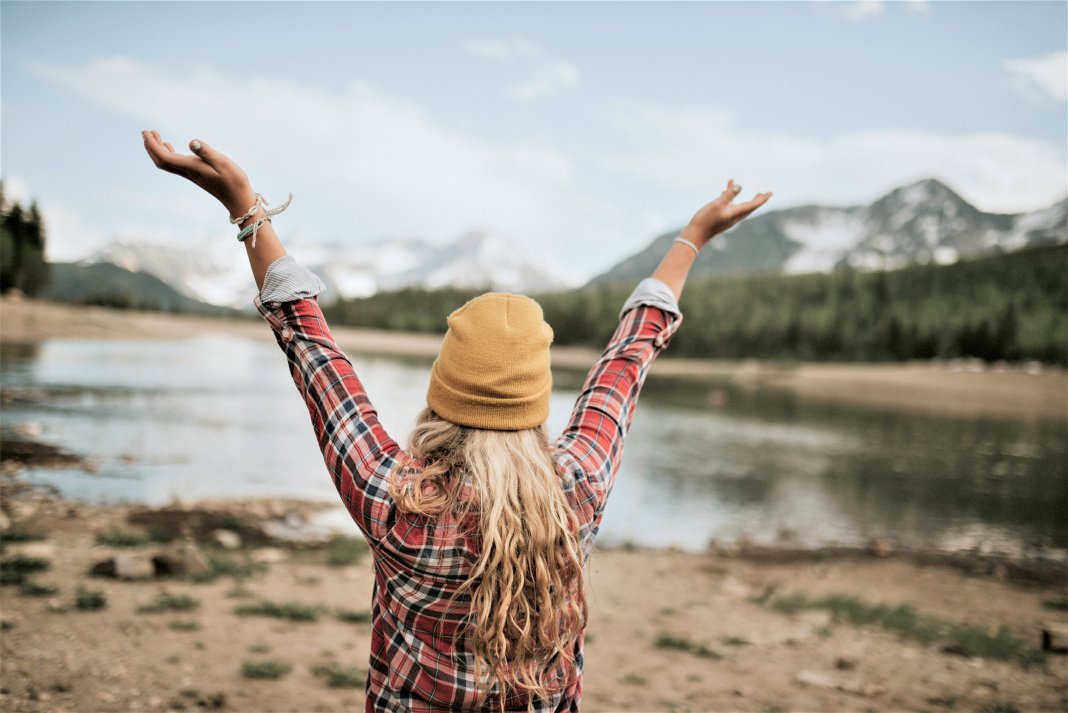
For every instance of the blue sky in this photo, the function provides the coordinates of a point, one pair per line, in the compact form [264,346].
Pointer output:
[577,131]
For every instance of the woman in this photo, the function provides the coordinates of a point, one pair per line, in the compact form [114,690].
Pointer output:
[482,527]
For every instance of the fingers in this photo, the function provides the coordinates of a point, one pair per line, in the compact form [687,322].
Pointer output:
[742,210]
[210,156]
[165,157]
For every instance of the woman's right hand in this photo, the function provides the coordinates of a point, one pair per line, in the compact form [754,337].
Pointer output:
[207,168]
[720,215]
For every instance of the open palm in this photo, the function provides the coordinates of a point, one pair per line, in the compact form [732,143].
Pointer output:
[207,168]
[721,214]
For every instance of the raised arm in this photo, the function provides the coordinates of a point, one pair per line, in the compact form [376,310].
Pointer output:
[593,438]
[358,452]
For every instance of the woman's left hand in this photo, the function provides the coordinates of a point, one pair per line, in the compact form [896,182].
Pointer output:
[207,168]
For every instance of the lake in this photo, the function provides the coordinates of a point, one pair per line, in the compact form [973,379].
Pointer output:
[212,416]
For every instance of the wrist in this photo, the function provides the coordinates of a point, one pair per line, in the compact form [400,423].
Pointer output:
[696,235]
[239,201]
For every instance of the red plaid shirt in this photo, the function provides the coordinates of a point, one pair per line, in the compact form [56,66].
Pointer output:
[418,564]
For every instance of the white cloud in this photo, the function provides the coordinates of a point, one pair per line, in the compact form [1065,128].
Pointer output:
[685,149]
[919,6]
[362,163]
[545,75]
[1040,77]
[861,9]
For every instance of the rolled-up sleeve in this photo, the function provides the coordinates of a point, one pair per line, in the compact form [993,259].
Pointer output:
[601,418]
[358,452]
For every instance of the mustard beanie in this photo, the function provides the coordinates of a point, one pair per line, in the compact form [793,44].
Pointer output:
[493,368]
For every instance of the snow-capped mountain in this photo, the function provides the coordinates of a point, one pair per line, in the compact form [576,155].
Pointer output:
[923,222]
[210,272]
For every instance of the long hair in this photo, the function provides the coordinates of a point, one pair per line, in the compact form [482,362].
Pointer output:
[527,589]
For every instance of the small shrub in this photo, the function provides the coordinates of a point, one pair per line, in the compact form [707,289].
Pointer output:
[224,566]
[266,669]
[1000,707]
[338,676]
[259,649]
[667,641]
[944,701]
[354,616]
[735,641]
[170,602]
[293,611]
[635,679]
[14,569]
[342,551]
[33,589]
[1059,604]
[89,599]
[179,625]
[123,538]
[20,535]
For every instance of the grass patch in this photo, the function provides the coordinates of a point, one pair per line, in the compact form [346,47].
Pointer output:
[635,679]
[342,551]
[259,649]
[268,669]
[667,641]
[169,602]
[33,589]
[1000,707]
[20,535]
[944,701]
[123,538]
[905,620]
[180,625]
[734,641]
[338,676]
[354,616]
[89,599]
[293,611]
[224,566]
[14,569]
[1059,604]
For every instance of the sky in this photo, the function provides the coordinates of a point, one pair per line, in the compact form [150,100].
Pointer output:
[575,131]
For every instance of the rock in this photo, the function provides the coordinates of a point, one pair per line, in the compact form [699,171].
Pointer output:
[815,618]
[56,606]
[880,546]
[816,678]
[133,566]
[44,550]
[181,558]
[227,538]
[269,555]
[735,588]
[844,664]
[5,522]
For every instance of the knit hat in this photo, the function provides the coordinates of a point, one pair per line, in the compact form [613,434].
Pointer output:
[493,368]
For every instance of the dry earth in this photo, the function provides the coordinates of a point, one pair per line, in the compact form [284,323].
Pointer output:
[669,631]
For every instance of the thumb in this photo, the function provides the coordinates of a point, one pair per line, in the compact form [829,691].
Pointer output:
[205,152]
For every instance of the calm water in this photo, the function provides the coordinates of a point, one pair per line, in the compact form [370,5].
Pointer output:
[213,416]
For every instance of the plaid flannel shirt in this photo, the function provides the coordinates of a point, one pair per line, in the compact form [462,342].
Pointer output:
[416,664]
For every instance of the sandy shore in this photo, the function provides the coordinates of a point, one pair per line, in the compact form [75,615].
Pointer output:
[959,388]
[668,630]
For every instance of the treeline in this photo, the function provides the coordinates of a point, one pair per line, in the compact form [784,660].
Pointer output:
[1011,307]
[22,247]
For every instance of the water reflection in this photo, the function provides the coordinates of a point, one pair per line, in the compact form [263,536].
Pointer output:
[213,417]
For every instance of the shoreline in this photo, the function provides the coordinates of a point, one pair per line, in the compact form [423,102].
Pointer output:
[668,630]
[958,388]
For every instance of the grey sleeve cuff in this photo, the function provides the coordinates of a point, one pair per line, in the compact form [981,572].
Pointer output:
[651,291]
[287,281]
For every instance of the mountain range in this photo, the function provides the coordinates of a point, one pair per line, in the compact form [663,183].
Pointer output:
[209,273]
[925,221]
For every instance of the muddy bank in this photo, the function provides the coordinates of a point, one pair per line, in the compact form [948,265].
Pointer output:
[264,618]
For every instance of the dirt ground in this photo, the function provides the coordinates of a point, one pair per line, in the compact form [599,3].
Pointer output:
[964,388]
[669,631]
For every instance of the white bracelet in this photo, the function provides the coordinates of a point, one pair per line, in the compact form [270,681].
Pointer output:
[251,211]
[696,250]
